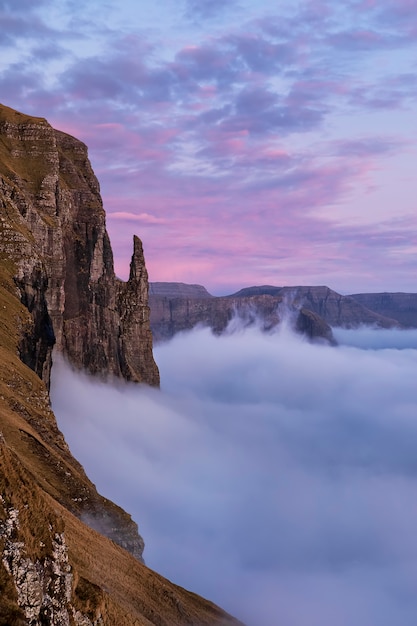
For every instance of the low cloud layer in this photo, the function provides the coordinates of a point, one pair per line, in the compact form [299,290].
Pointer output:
[275,477]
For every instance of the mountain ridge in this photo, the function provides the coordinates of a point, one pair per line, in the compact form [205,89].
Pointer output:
[313,309]
[399,305]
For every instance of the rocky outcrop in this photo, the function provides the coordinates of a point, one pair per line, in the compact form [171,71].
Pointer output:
[135,336]
[54,222]
[43,585]
[401,307]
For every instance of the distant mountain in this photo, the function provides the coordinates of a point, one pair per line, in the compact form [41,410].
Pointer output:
[263,290]
[313,310]
[399,306]
[172,313]
[178,290]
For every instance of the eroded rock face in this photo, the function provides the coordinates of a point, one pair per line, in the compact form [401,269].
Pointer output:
[399,306]
[312,311]
[37,577]
[53,228]
[53,241]
[44,587]
[334,308]
[170,315]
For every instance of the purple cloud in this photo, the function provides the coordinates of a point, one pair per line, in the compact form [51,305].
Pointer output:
[16,27]
[122,76]
[206,9]
[392,92]
[262,55]
[214,62]
[367,146]
[16,6]
[254,128]
[398,14]
[365,40]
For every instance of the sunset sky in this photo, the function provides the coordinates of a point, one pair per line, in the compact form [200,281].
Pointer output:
[245,142]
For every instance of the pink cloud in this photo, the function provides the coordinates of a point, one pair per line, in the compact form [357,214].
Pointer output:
[144,218]
[243,151]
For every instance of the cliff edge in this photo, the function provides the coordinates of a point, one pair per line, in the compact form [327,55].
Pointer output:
[53,231]
[68,556]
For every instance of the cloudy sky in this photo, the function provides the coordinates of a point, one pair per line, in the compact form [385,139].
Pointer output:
[245,142]
[275,477]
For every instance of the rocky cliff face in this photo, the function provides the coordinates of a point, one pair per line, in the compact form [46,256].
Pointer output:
[171,314]
[54,230]
[68,556]
[335,309]
[399,306]
[312,310]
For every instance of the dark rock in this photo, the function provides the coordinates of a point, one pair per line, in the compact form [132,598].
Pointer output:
[401,307]
[314,327]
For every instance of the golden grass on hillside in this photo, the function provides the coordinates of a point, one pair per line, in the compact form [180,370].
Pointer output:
[16,117]
[24,159]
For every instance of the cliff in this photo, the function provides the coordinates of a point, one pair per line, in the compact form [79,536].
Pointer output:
[53,230]
[68,556]
[335,309]
[399,306]
[313,311]
[170,315]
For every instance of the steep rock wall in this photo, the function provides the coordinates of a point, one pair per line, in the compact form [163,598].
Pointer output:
[56,259]
[54,229]
[399,306]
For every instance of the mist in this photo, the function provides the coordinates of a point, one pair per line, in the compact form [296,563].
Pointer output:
[368,337]
[276,477]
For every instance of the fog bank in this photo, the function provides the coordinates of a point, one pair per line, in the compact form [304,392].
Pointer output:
[275,477]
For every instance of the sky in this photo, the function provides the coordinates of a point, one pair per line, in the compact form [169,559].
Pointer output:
[273,476]
[246,142]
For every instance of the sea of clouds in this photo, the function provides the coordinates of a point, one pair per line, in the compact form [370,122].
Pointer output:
[276,477]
